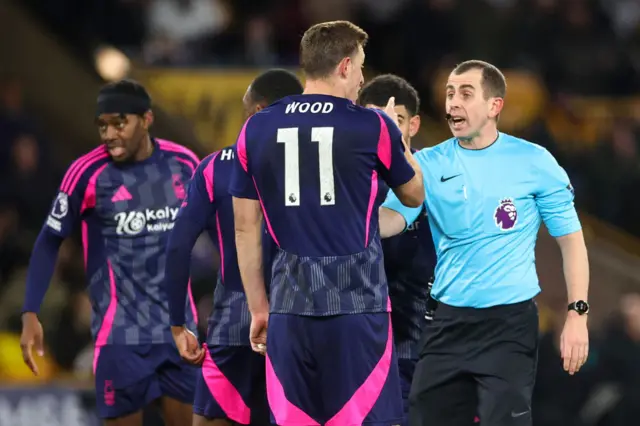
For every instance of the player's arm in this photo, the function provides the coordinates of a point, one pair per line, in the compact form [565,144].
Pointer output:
[65,214]
[190,223]
[554,200]
[395,217]
[398,168]
[247,214]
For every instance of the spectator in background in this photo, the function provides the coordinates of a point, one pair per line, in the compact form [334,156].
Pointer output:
[178,29]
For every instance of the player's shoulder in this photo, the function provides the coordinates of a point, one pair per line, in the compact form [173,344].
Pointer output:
[173,149]
[83,167]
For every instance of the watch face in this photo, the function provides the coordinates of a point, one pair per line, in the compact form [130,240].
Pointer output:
[582,307]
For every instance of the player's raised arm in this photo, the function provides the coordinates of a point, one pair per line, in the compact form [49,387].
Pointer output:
[555,204]
[71,202]
[398,167]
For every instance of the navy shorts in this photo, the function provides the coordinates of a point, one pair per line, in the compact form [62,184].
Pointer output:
[406,368]
[336,371]
[129,377]
[232,386]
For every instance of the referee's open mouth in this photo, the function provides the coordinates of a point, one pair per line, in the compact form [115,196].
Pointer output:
[456,122]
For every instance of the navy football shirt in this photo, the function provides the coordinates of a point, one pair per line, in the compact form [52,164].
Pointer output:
[209,208]
[125,212]
[314,162]
[409,262]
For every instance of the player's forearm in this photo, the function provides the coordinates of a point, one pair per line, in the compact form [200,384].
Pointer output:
[248,231]
[575,263]
[391,222]
[41,268]
[248,243]
[412,194]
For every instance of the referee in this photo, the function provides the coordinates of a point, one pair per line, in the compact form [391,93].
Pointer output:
[486,195]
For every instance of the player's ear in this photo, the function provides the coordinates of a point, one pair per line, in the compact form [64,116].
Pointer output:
[414,125]
[344,67]
[147,120]
[495,107]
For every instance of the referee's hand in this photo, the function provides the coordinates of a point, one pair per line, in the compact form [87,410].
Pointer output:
[574,342]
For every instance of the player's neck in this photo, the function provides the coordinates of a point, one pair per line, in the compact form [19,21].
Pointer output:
[481,139]
[323,87]
[146,150]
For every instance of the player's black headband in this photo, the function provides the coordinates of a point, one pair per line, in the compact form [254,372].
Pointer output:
[118,103]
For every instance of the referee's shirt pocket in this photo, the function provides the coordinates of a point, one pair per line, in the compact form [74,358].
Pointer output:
[451,205]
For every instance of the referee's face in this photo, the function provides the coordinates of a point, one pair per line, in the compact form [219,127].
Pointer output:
[465,104]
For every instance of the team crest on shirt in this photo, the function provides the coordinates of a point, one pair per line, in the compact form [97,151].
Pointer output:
[178,187]
[506,214]
[60,206]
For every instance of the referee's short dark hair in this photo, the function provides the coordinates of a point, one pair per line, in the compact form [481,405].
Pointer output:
[273,85]
[494,84]
[380,89]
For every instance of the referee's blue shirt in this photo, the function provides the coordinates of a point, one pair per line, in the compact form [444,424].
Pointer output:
[485,208]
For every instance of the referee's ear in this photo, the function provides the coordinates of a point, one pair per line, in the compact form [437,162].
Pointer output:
[495,107]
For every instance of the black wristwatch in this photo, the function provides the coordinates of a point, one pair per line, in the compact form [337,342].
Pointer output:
[580,306]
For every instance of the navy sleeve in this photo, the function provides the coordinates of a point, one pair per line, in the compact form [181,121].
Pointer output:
[242,185]
[73,199]
[394,168]
[191,221]
[41,268]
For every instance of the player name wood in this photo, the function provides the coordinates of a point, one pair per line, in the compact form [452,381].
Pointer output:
[308,107]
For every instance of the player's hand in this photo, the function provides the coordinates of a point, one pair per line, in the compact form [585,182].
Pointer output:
[574,342]
[390,110]
[188,345]
[32,338]
[258,332]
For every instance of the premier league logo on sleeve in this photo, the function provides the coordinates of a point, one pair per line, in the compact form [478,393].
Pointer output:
[506,214]
[60,206]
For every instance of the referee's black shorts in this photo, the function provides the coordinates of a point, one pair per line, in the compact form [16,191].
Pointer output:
[489,353]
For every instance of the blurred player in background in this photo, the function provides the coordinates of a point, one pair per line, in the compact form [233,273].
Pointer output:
[232,385]
[125,194]
[409,258]
[313,162]
[488,194]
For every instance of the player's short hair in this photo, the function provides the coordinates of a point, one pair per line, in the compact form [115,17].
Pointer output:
[324,45]
[494,84]
[124,96]
[273,85]
[125,87]
[380,89]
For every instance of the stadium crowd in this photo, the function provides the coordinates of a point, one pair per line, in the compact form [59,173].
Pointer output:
[577,48]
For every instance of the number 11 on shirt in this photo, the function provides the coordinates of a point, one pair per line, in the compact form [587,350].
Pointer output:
[324,137]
